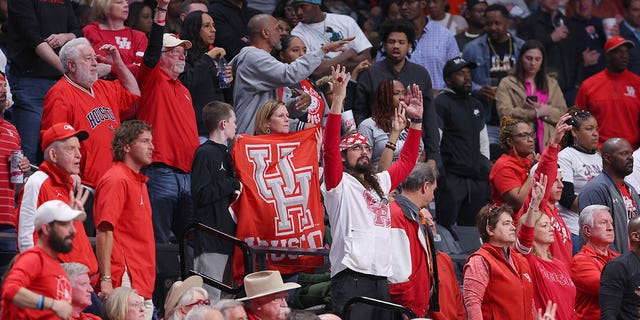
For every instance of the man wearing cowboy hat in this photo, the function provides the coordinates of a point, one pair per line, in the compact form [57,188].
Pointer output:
[37,287]
[54,181]
[166,104]
[266,295]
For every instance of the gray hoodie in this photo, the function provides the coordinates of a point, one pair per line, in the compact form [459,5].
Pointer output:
[258,75]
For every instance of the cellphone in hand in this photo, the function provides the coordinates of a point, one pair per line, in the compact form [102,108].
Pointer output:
[532,98]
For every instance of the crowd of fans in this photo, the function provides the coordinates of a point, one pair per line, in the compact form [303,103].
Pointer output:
[519,118]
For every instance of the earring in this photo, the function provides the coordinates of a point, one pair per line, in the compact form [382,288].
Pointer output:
[268,131]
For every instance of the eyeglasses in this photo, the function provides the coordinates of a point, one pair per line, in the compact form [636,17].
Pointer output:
[199,302]
[176,53]
[361,147]
[136,305]
[525,135]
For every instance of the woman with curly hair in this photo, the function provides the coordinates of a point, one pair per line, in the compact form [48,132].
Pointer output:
[200,74]
[386,129]
[508,177]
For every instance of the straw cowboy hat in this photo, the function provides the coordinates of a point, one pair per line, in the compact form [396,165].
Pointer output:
[177,289]
[264,283]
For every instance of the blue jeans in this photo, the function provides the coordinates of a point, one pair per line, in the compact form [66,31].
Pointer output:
[28,97]
[170,195]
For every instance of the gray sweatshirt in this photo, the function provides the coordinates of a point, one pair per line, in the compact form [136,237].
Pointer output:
[258,75]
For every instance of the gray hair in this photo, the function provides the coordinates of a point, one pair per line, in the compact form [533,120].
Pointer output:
[200,313]
[187,297]
[225,304]
[74,269]
[70,52]
[54,145]
[586,216]
[421,173]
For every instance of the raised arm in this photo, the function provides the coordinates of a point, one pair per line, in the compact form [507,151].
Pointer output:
[154,49]
[525,232]
[332,157]
[409,154]
[112,57]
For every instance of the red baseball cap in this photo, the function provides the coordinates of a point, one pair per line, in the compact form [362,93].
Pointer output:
[60,131]
[617,41]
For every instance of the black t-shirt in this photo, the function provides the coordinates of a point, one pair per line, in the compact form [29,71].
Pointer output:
[620,288]
[502,59]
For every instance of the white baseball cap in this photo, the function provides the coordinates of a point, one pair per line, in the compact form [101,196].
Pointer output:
[56,210]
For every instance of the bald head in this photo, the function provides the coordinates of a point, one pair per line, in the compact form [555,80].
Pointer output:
[634,234]
[264,32]
[617,158]
[260,22]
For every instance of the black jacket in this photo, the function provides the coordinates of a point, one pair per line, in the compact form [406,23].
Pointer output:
[200,76]
[213,183]
[30,22]
[231,25]
[563,57]
[634,53]
[462,119]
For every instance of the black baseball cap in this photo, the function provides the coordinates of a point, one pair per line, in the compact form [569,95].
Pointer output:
[455,65]
[471,3]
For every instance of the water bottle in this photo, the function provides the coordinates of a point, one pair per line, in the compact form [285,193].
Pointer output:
[223,82]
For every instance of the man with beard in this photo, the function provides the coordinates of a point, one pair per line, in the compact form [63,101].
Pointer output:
[37,287]
[87,103]
[495,52]
[611,95]
[258,75]
[166,105]
[609,189]
[474,13]
[463,187]
[356,200]
[124,241]
[398,37]
[54,181]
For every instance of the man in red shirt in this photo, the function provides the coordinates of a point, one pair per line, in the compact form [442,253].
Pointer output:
[37,287]
[53,181]
[613,95]
[124,240]
[596,225]
[91,104]
[167,106]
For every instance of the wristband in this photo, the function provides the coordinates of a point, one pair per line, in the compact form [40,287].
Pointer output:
[161,9]
[160,21]
[40,302]
[391,143]
[390,146]
[105,278]
[415,120]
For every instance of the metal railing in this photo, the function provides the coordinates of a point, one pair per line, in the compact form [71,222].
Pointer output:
[395,308]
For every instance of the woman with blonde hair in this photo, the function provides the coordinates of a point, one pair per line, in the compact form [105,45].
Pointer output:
[109,28]
[550,276]
[272,117]
[124,304]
